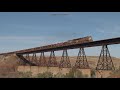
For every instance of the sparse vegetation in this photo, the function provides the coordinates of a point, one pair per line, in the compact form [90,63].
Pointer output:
[45,75]
[59,75]
[25,74]
[93,75]
[115,73]
[73,73]
[8,64]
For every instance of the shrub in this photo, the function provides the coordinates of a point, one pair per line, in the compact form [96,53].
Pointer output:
[59,75]
[45,75]
[74,73]
[93,75]
[79,74]
[25,74]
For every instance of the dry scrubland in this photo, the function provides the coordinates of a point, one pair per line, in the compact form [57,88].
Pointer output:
[8,64]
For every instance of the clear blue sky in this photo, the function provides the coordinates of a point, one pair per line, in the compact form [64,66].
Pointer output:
[20,30]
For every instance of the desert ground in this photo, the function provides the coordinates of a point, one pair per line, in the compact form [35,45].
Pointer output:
[7,64]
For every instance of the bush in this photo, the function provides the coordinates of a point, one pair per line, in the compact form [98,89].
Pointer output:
[93,75]
[59,75]
[78,74]
[74,73]
[115,73]
[45,75]
[25,75]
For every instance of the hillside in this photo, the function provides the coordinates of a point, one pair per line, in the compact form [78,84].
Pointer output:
[13,60]
[8,64]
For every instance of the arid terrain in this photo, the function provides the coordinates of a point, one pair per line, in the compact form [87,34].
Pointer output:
[7,64]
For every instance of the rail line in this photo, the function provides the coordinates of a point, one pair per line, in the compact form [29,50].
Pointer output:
[104,63]
[73,46]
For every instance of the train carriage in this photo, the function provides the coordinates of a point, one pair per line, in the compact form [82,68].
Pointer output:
[69,42]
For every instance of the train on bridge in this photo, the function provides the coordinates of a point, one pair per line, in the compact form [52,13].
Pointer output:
[104,62]
[67,43]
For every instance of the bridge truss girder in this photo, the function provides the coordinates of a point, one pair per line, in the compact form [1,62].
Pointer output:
[81,61]
[105,61]
[42,60]
[65,61]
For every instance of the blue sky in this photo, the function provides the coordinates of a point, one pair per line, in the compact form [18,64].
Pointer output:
[21,30]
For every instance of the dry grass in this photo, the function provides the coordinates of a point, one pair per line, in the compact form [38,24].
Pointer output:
[8,64]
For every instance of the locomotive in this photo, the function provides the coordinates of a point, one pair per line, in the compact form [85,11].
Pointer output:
[81,40]
[69,42]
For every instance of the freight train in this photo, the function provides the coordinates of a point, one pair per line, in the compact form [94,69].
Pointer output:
[69,42]
[79,40]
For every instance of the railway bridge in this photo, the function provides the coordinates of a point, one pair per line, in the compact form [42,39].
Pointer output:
[104,62]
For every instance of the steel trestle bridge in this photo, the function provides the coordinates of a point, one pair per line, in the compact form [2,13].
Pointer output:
[104,63]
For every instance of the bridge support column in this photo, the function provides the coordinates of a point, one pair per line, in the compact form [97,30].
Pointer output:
[81,61]
[52,60]
[105,60]
[42,60]
[65,62]
[34,59]
[24,61]
[27,57]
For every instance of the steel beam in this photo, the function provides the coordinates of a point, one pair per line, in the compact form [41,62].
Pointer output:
[52,60]
[27,57]
[34,59]
[81,61]
[73,46]
[105,61]
[23,61]
[42,60]
[65,62]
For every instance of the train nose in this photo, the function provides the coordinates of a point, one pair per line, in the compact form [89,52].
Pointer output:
[90,38]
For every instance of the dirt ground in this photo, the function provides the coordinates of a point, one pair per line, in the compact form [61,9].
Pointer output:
[8,64]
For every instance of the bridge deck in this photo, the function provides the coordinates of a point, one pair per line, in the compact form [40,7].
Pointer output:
[85,45]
